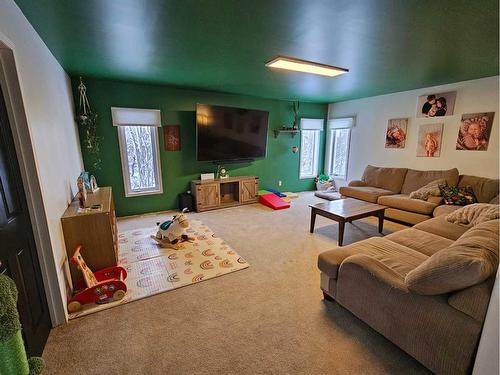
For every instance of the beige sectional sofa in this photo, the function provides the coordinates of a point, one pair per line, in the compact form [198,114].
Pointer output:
[425,288]
[392,186]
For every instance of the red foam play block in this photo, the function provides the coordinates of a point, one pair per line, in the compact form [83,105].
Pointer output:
[273,201]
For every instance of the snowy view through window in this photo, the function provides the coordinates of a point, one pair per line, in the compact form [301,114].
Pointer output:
[308,153]
[340,152]
[140,156]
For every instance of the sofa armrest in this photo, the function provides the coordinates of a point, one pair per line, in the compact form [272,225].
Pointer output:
[377,269]
[355,183]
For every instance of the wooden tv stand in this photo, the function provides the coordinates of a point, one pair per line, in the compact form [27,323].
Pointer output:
[225,192]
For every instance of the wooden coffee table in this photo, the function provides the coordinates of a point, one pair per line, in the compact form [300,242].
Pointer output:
[345,211]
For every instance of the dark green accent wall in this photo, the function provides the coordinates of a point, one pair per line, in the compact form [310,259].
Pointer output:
[180,167]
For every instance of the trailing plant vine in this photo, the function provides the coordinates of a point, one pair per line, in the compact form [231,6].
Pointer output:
[87,121]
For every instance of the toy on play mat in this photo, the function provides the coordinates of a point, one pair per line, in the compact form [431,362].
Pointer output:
[101,286]
[273,201]
[171,232]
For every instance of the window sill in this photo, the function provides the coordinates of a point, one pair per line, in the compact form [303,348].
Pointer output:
[142,193]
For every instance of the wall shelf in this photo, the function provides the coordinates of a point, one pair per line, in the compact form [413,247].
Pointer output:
[292,133]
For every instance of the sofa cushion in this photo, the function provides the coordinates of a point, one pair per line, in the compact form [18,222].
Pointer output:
[485,189]
[330,195]
[399,258]
[456,195]
[384,178]
[405,216]
[414,179]
[365,193]
[474,214]
[431,189]
[423,242]
[468,261]
[404,202]
[445,209]
[441,227]
[357,183]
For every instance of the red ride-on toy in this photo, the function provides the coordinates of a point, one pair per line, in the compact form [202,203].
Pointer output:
[100,287]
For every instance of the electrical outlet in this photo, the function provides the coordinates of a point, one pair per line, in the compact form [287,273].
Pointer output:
[279,183]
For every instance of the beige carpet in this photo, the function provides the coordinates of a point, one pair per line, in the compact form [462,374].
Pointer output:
[267,319]
[152,269]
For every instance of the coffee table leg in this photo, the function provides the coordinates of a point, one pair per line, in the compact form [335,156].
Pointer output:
[341,232]
[313,220]
[381,221]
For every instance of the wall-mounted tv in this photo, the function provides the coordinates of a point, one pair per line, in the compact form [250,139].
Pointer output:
[230,134]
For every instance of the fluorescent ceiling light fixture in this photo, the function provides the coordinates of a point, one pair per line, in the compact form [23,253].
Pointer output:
[304,66]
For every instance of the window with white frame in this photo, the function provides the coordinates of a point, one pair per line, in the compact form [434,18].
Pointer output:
[309,147]
[139,149]
[338,138]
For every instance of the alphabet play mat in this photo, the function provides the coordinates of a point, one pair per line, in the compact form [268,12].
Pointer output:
[152,269]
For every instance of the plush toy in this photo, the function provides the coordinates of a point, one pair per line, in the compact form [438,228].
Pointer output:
[13,358]
[171,232]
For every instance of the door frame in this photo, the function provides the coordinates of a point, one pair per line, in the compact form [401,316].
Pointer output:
[10,80]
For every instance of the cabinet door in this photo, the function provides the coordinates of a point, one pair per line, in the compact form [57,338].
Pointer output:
[207,196]
[248,190]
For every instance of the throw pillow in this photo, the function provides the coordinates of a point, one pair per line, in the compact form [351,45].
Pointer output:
[458,196]
[431,189]
[468,261]
[474,214]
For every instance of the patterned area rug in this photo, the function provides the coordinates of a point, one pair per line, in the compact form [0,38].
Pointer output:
[152,269]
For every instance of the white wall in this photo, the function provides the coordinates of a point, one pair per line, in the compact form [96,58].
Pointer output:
[48,105]
[372,114]
[488,351]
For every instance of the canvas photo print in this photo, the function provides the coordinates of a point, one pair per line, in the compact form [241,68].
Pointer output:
[429,140]
[474,131]
[436,105]
[395,136]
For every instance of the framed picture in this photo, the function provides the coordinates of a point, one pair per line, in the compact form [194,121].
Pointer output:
[429,140]
[436,105]
[172,137]
[474,131]
[395,136]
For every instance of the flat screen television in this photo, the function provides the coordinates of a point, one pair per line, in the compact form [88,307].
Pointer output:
[230,134]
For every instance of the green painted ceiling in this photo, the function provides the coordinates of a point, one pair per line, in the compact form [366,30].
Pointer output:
[217,45]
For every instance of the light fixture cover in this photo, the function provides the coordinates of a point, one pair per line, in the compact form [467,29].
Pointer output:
[304,66]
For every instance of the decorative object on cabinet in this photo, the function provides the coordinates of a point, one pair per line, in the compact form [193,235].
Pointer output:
[221,172]
[93,184]
[82,193]
[94,229]
[207,176]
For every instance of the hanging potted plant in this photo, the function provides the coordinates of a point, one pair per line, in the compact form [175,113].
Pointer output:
[87,120]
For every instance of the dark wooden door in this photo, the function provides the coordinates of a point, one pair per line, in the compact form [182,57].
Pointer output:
[18,256]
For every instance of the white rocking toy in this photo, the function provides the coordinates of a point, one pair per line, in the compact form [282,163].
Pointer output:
[171,232]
